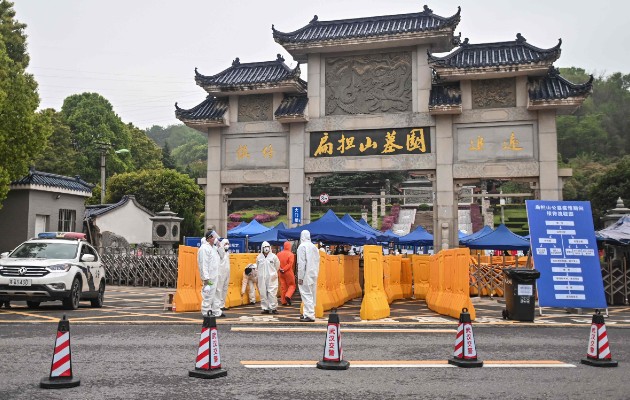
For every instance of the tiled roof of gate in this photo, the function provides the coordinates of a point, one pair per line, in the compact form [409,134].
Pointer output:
[292,105]
[265,72]
[100,209]
[496,54]
[211,108]
[35,177]
[555,87]
[385,25]
[445,95]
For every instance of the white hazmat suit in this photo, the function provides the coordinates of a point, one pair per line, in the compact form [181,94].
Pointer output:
[308,270]
[224,273]
[208,262]
[267,264]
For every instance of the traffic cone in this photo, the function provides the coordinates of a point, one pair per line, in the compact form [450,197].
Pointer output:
[465,354]
[61,367]
[598,352]
[208,363]
[333,354]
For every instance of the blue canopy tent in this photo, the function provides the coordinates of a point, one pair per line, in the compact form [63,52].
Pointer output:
[387,236]
[271,236]
[500,239]
[617,233]
[461,234]
[417,237]
[330,229]
[251,229]
[480,233]
[237,227]
[380,236]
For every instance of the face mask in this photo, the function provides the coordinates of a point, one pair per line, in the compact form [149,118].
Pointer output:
[226,247]
[266,250]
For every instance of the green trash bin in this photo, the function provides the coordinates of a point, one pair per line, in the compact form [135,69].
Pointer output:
[520,293]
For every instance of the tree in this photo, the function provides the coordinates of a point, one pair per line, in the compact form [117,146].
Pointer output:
[611,185]
[144,153]
[154,188]
[167,159]
[23,132]
[59,155]
[92,120]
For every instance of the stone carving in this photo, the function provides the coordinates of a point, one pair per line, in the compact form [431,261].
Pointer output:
[368,84]
[495,170]
[255,107]
[494,93]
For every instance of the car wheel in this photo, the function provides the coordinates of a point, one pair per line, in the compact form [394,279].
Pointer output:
[98,301]
[72,302]
[32,304]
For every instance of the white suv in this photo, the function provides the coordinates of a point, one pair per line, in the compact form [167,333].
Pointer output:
[53,267]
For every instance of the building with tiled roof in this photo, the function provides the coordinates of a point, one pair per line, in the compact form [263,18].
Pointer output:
[40,202]
[385,93]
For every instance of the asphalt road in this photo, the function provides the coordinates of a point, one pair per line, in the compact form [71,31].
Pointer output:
[152,362]
[133,349]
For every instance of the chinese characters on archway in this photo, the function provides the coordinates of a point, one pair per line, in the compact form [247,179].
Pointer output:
[371,142]
[243,152]
[511,144]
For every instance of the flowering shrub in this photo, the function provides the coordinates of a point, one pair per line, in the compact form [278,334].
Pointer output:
[232,225]
[388,222]
[235,217]
[266,217]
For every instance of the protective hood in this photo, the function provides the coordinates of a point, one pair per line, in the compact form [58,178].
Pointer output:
[305,236]
[287,246]
[265,244]
[224,242]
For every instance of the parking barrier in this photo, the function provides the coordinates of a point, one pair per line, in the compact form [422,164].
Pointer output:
[374,304]
[406,278]
[420,267]
[188,294]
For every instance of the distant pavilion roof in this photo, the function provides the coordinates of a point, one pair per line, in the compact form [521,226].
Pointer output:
[445,99]
[554,91]
[514,58]
[46,180]
[210,112]
[292,108]
[401,28]
[256,77]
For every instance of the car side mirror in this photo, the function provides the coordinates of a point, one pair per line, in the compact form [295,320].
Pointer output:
[88,258]
[4,255]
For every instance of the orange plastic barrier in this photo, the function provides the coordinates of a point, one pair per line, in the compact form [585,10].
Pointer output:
[188,293]
[387,279]
[420,265]
[238,263]
[449,283]
[335,281]
[395,271]
[374,304]
[343,287]
[406,278]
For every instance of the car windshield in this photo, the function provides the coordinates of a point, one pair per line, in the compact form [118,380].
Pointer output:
[45,250]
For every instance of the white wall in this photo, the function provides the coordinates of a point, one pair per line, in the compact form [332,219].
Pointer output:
[129,222]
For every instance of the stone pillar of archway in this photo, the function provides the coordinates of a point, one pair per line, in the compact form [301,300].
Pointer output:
[550,188]
[445,205]
[216,209]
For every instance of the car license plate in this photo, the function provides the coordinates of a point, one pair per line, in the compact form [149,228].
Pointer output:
[19,282]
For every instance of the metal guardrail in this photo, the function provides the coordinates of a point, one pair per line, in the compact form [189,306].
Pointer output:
[152,267]
[616,278]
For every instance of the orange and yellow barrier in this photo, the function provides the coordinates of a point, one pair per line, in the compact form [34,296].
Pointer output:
[374,304]
[448,289]
[187,296]
[406,278]
[420,266]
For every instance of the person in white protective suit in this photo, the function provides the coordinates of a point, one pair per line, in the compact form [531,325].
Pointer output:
[208,262]
[250,278]
[308,270]
[267,264]
[224,273]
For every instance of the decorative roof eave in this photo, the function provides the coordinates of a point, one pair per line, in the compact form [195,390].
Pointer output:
[106,208]
[289,119]
[371,32]
[51,189]
[441,41]
[203,124]
[288,86]
[445,109]
[564,106]
[506,71]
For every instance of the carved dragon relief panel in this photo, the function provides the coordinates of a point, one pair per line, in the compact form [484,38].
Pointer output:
[255,107]
[494,93]
[368,84]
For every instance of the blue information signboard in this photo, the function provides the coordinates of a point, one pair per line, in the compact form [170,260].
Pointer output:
[192,241]
[565,252]
[237,245]
[296,212]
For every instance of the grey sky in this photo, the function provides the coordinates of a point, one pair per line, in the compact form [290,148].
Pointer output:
[141,54]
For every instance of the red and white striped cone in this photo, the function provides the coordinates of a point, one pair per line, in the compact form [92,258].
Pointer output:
[465,353]
[598,352]
[208,362]
[333,353]
[61,367]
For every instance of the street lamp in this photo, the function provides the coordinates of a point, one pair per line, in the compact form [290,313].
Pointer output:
[104,147]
